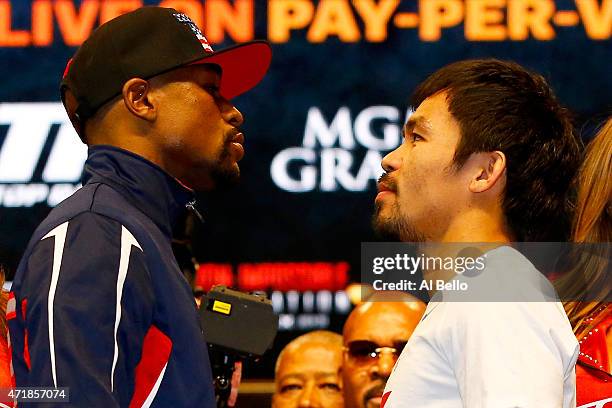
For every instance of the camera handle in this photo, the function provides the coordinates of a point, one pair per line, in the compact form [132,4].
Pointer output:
[222,367]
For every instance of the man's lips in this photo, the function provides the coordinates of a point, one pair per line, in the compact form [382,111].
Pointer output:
[381,196]
[374,395]
[382,187]
[386,184]
[238,138]
[237,142]
[383,190]
[375,401]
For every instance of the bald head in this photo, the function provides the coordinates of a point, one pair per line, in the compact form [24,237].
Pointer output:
[381,326]
[316,338]
[307,372]
[388,307]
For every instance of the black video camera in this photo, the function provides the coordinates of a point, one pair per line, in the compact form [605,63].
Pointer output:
[238,326]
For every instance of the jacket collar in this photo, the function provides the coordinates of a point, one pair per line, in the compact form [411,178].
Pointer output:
[145,185]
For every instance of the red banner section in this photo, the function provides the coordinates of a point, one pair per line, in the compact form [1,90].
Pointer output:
[283,276]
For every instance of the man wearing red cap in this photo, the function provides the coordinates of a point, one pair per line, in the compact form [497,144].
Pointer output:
[100,305]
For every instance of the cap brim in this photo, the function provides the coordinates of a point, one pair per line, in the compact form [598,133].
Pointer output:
[244,66]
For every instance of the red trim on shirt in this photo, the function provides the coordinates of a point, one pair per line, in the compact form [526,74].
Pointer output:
[385,397]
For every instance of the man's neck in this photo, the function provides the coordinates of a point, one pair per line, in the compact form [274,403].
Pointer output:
[476,225]
[480,231]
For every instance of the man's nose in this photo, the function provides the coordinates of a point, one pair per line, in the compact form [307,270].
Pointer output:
[309,397]
[383,367]
[231,114]
[392,161]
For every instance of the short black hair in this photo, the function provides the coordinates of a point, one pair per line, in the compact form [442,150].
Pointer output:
[502,106]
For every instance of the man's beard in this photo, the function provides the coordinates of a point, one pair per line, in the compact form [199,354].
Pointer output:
[395,227]
[223,176]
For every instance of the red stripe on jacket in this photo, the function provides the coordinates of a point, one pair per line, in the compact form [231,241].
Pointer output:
[156,350]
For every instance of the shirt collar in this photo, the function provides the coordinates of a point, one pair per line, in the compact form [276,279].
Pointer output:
[144,184]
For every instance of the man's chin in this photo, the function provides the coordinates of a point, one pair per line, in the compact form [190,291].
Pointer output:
[384,228]
[226,178]
[394,229]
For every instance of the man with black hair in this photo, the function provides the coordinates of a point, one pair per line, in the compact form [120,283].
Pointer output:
[487,159]
[99,304]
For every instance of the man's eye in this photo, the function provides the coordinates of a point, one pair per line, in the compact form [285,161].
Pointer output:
[330,387]
[290,387]
[415,137]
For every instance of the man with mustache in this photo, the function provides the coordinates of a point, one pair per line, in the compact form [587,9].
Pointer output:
[487,159]
[374,334]
[307,372]
[99,304]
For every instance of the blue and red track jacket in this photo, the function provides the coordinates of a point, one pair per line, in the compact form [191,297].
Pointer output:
[99,303]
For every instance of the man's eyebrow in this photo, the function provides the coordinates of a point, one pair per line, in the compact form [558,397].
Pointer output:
[320,374]
[289,376]
[317,374]
[415,120]
[420,121]
[378,343]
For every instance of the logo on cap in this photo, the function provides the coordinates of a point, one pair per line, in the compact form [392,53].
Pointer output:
[183,18]
[67,68]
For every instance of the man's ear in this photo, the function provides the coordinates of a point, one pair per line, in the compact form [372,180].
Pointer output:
[491,167]
[137,99]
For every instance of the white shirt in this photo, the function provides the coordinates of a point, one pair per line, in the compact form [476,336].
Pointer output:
[490,354]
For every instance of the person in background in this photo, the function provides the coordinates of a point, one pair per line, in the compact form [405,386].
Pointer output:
[374,335]
[587,302]
[307,372]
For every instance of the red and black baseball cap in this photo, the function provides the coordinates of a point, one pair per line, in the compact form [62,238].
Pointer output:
[147,42]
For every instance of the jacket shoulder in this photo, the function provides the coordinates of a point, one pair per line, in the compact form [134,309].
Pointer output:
[88,199]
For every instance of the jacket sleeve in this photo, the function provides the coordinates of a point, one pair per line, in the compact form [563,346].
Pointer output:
[85,304]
